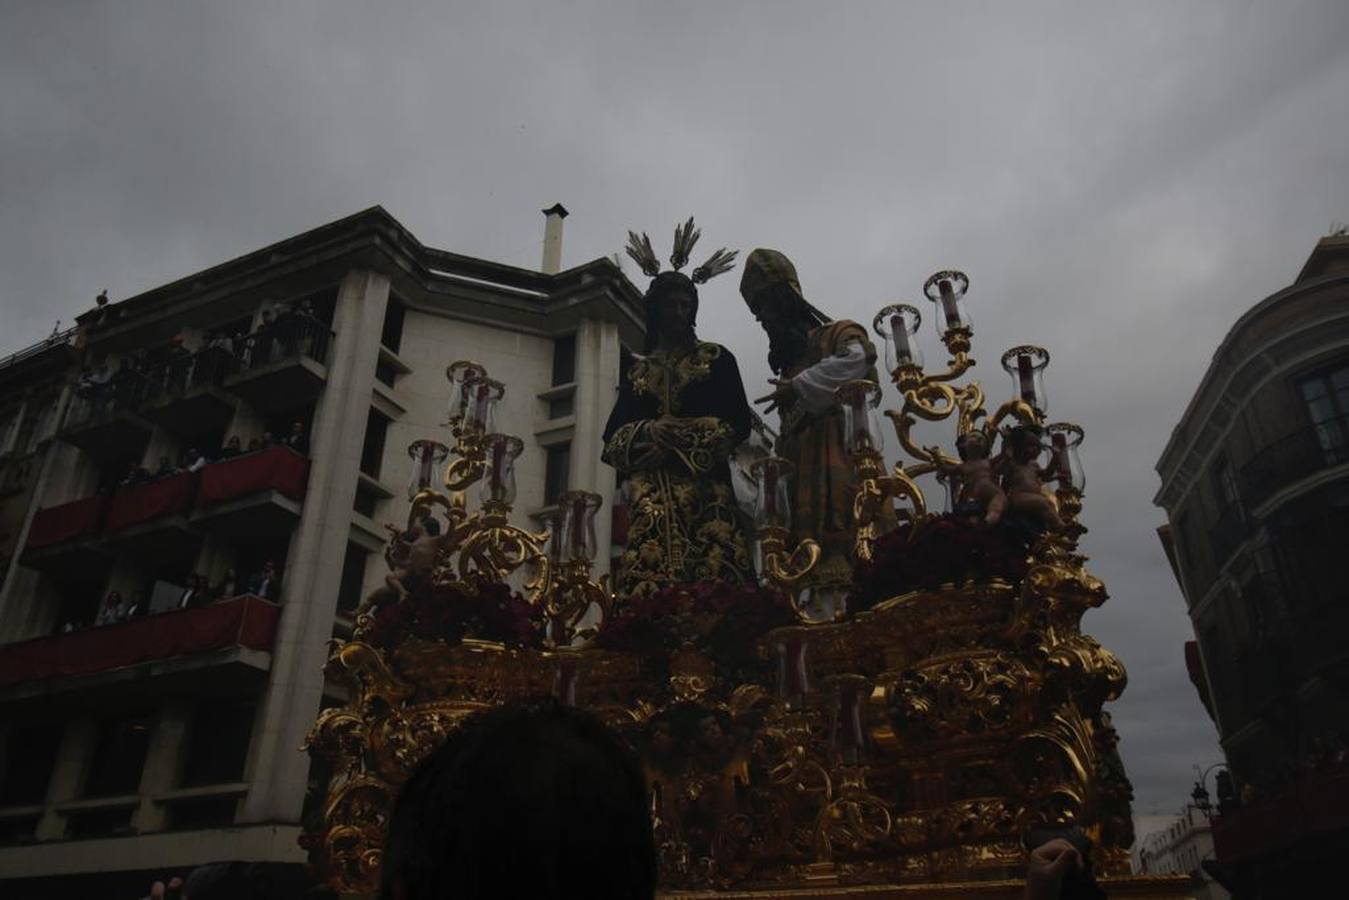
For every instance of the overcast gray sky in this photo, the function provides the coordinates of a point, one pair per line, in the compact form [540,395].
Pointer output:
[1120,181]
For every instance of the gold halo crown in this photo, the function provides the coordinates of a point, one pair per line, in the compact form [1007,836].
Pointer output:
[686,235]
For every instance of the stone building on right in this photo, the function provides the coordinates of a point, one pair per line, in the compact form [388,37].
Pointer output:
[1255,484]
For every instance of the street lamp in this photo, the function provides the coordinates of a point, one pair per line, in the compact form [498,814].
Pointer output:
[1200,793]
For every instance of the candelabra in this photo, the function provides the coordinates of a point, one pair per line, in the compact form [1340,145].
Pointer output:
[783,568]
[933,397]
[571,551]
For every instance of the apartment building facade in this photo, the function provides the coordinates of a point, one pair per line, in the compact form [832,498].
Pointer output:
[1255,484]
[171,738]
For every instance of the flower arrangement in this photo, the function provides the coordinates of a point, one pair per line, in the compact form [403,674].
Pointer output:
[723,621]
[483,609]
[944,549]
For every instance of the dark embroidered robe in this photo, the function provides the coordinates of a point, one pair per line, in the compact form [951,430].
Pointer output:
[678,417]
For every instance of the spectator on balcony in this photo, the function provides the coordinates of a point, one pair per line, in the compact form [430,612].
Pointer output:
[193,460]
[267,441]
[259,344]
[135,474]
[254,445]
[194,593]
[227,587]
[165,469]
[110,610]
[264,583]
[215,361]
[288,330]
[134,608]
[231,448]
[179,367]
[297,440]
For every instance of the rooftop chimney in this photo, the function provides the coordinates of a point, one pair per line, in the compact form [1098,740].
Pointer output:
[552,239]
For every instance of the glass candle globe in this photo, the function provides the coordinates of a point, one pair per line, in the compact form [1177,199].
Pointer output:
[897,324]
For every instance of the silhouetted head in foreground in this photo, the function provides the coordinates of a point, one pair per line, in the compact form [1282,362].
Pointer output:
[538,800]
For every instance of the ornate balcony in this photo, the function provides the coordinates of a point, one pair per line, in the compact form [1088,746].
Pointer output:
[107,422]
[184,395]
[1295,457]
[282,367]
[66,536]
[253,494]
[258,494]
[151,519]
[245,622]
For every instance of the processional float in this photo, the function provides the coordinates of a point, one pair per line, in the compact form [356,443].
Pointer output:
[904,737]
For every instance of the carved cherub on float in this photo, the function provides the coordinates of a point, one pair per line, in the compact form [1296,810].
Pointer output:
[978,493]
[1023,477]
[412,555]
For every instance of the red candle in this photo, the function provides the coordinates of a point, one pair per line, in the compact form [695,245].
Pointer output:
[424,470]
[480,408]
[948,303]
[1026,376]
[498,467]
[903,352]
[1063,469]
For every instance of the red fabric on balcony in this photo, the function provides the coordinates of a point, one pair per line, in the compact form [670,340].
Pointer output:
[65,522]
[133,505]
[1315,805]
[274,469]
[241,622]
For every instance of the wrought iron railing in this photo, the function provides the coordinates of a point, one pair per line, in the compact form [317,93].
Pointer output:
[125,391]
[187,372]
[1295,457]
[287,339]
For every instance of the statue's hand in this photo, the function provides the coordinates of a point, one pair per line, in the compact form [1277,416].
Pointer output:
[784,392]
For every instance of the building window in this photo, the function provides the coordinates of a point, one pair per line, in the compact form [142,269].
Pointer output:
[372,451]
[353,578]
[391,333]
[564,360]
[386,374]
[1326,395]
[26,767]
[1225,484]
[556,468]
[217,748]
[561,407]
[119,756]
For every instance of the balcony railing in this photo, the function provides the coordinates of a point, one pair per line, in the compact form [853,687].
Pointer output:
[188,372]
[287,339]
[95,403]
[244,621]
[1296,457]
[274,469]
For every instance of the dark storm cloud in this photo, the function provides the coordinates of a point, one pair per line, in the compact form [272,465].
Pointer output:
[1120,181]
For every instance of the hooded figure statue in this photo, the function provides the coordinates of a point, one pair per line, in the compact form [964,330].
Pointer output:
[811,357]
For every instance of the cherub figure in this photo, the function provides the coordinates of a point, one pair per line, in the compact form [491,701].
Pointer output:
[1023,478]
[976,472]
[411,557]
